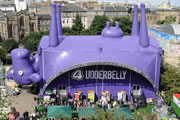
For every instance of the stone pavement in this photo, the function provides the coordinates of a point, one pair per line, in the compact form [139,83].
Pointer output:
[24,101]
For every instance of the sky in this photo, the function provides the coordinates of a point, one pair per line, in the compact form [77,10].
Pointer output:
[173,2]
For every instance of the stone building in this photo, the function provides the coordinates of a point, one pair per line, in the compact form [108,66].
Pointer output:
[13,5]
[164,13]
[70,11]
[7,6]
[17,25]
[151,16]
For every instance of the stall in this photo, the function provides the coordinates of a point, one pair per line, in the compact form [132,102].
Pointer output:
[91,95]
[106,96]
[122,96]
[78,95]
[47,95]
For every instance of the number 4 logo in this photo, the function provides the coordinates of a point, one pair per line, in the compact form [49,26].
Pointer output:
[77,75]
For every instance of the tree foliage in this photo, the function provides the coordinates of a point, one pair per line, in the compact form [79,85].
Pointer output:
[8,45]
[125,24]
[170,81]
[2,54]
[5,100]
[169,20]
[31,41]
[67,31]
[77,26]
[98,24]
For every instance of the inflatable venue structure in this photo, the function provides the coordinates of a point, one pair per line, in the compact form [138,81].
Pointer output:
[109,62]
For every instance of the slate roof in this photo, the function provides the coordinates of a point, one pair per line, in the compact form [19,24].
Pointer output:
[7,4]
[72,8]
[44,16]
[63,8]
[8,14]
[114,8]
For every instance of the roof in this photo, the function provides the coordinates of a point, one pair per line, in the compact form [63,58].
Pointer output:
[73,48]
[44,16]
[171,29]
[114,8]
[72,8]
[63,8]
[7,4]
[56,111]
[88,112]
[2,17]
[8,14]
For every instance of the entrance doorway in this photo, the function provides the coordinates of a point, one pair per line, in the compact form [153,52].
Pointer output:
[62,90]
[137,90]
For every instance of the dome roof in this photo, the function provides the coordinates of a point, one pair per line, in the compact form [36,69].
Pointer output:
[171,29]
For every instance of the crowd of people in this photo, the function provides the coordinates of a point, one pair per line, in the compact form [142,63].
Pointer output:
[76,103]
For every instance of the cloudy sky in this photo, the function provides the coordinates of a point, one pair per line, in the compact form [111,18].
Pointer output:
[173,2]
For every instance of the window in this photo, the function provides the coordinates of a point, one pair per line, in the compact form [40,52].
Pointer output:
[136,87]
[21,23]
[10,31]
[147,17]
[32,27]
[62,87]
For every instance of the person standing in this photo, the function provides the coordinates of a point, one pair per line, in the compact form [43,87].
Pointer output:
[17,115]
[26,115]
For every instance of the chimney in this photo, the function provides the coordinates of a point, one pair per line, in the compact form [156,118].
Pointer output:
[59,23]
[143,35]
[54,41]
[135,25]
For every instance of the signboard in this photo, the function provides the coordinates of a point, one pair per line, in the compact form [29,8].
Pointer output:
[99,74]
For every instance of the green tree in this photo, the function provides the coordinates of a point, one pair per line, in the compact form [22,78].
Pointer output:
[87,32]
[9,45]
[170,81]
[77,26]
[31,41]
[5,100]
[2,54]
[159,22]
[125,24]
[98,24]
[169,20]
[67,31]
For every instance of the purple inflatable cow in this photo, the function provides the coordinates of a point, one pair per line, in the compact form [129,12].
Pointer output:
[25,69]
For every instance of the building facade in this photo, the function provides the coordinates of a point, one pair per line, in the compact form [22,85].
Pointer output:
[38,16]
[17,25]
[20,5]
[7,6]
[13,5]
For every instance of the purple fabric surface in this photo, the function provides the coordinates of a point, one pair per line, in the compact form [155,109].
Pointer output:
[56,53]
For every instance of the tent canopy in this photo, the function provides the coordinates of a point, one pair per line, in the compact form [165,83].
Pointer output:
[59,111]
[89,112]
